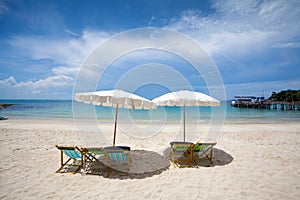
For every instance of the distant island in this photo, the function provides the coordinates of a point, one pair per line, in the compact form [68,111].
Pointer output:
[286,96]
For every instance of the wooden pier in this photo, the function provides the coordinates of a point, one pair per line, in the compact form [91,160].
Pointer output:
[270,105]
[283,105]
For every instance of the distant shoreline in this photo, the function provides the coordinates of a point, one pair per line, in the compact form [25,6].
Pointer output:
[65,111]
[69,121]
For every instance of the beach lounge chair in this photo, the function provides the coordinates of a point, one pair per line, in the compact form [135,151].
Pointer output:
[203,151]
[117,160]
[75,159]
[182,154]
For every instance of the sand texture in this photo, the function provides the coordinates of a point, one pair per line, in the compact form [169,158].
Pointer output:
[251,161]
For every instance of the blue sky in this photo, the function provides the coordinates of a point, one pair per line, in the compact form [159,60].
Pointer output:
[255,44]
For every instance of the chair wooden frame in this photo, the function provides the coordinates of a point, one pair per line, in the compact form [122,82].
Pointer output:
[203,151]
[91,152]
[182,154]
[115,159]
[94,160]
[74,154]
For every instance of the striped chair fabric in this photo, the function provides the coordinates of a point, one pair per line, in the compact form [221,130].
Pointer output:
[73,153]
[118,156]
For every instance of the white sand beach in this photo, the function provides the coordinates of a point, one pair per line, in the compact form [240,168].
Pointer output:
[251,161]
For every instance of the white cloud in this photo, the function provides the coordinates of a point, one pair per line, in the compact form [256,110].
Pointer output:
[11,88]
[236,44]
[240,25]
[71,33]
[65,56]
[36,92]
[288,45]
[67,51]
[150,22]
[8,82]
[244,37]
[49,82]
[136,40]
[52,81]
[65,70]
[3,9]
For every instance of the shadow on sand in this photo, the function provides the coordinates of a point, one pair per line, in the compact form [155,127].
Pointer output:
[143,164]
[149,163]
[220,158]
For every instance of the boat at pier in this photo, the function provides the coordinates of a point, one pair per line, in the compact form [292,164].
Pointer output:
[248,102]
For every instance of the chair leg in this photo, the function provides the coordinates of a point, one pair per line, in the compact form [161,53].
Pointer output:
[61,158]
[210,158]
[80,166]
[108,170]
[63,165]
[66,163]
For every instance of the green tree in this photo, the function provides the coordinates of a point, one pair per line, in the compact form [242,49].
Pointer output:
[286,95]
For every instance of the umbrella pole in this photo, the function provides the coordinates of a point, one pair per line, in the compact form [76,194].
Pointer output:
[115,130]
[184,123]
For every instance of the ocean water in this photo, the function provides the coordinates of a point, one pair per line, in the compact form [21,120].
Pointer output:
[68,110]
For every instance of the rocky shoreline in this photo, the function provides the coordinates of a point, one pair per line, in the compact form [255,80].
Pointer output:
[5,105]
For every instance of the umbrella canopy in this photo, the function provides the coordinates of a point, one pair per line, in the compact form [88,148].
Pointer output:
[185,98]
[115,98]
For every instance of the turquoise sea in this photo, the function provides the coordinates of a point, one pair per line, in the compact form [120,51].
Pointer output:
[65,110]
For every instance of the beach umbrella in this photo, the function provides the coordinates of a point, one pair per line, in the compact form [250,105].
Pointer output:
[115,98]
[185,98]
